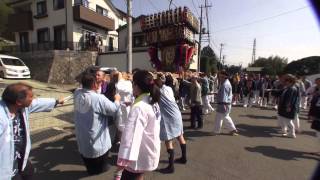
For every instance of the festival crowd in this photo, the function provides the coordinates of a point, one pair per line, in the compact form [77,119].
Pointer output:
[135,112]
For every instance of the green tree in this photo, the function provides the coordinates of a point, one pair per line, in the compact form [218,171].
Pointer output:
[4,12]
[305,66]
[208,60]
[233,69]
[272,65]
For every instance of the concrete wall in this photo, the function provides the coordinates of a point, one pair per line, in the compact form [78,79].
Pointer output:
[57,66]
[68,64]
[119,60]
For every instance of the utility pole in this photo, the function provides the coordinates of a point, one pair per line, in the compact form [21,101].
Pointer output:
[223,59]
[203,33]
[254,51]
[200,39]
[221,47]
[129,22]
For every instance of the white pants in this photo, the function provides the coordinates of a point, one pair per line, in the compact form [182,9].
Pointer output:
[256,96]
[286,124]
[296,122]
[220,118]
[206,105]
[247,101]
[304,102]
[211,98]
[182,103]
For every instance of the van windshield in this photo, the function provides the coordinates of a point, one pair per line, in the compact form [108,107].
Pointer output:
[12,62]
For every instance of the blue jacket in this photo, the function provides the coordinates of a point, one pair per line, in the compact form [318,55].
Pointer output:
[224,97]
[225,92]
[91,122]
[289,99]
[6,134]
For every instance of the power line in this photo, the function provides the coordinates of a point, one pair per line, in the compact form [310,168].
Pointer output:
[171,2]
[261,20]
[195,7]
[208,25]
[154,7]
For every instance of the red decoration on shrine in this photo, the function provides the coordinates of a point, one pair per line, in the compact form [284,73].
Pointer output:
[173,32]
[155,61]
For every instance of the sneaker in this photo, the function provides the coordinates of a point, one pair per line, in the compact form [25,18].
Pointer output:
[245,105]
[234,133]
[181,160]
[284,134]
[214,134]
[167,170]
[292,136]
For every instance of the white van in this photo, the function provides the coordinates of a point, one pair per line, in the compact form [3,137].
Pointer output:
[12,67]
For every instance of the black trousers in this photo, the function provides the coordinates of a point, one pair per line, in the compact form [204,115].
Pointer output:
[26,174]
[127,175]
[196,116]
[96,165]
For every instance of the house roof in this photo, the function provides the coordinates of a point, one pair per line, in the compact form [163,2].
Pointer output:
[114,9]
[134,20]
[122,13]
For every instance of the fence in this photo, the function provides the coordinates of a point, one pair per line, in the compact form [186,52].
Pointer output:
[77,46]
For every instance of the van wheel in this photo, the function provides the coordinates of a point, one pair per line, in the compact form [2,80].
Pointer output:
[2,75]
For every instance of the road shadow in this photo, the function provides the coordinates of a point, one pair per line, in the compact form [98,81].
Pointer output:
[67,117]
[256,131]
[259,117]
[283,154]
[52,154]
[196,133]
[309,133]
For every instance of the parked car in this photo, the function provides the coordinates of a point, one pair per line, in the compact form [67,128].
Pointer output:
[13,67]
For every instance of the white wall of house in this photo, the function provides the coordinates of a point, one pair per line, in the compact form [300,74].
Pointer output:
[119,60]
[74,28]
[55,18]
[80,28]
[111,14]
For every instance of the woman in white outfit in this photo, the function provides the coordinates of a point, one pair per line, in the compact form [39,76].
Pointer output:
[140,142]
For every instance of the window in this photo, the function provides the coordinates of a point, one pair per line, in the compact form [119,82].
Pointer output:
[43,35]
[59,33]
[101,11]
[139,41]
[84,3]
[24,41]
[42,8]
[111,44]
[58,4]
[12,62]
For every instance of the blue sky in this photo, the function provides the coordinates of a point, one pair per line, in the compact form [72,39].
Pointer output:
[287,28]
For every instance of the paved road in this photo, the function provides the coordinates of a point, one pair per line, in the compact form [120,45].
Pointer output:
[259,152]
